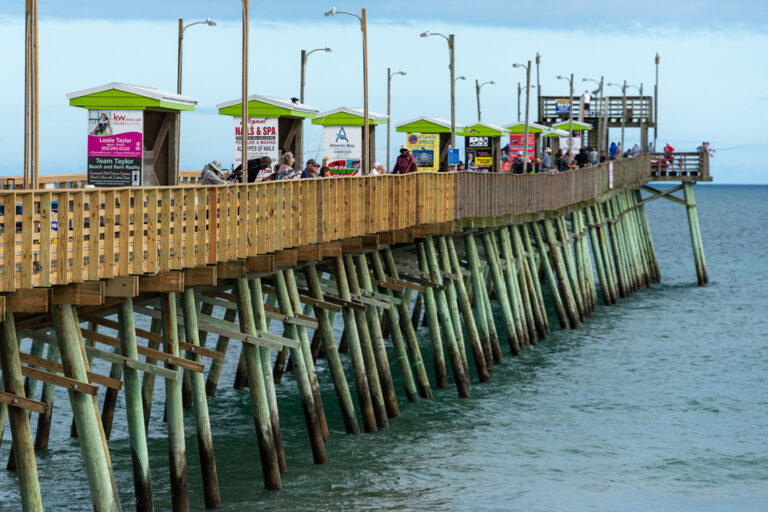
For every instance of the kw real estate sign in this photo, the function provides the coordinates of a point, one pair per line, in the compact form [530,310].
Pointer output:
[115,147]
[425,148]
[343,146]
[478,151]
[262,138]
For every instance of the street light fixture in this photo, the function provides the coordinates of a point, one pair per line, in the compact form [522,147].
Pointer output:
[479,86]
[304,57]
[450,39]
[462,77]
[623,106]
[390,74]
[527,108]
[209,22]
[364,29]
[600,118]
[570,111]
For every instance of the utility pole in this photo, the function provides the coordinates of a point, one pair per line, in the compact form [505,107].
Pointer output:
[244,130]
[477,91]
[656,103]
[366,144]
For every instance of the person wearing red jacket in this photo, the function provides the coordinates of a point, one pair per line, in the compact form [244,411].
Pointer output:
[405,163]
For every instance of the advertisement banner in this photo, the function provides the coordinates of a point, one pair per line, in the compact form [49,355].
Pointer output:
[262,138]
[517,146]
[478,153]
[562,106]
[575,143]
[115,147]
[426,149]
[343,146]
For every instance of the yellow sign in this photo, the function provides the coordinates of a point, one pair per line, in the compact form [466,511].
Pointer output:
[426,149]
[484,160]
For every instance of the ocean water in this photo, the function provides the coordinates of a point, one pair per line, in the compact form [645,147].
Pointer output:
[657,403]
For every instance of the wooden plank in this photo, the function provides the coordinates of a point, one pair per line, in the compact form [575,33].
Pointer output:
[124,244]
[138,232]
[286,258]
[123,286]
[165,230]
[271,312]
[22,402]
[59,380]
[34,300]
[352,245]
[370,242]
[78,235]
[305,299]
[164,282]
[157,355]
[111,357]
[200,276]
[53,366]
[27,211]
[201,234]
[177,218]
[109,234]
[90,293]
[231,269]
[262,263]
[152,248]
[309,253]
[62,244]
[331,249]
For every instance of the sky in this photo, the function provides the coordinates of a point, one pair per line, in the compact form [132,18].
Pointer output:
[712,74]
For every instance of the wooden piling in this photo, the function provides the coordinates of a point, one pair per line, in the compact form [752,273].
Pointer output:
[431,315]
[529,278]
[377,339]
[200,406]
[142,482]
[501,294]
[557,297]
[362,379]
[478,283]
[396,334]
[605,251]
[447,247]
[262,324]
[325,328]
[566,250]
[148,381]
[177,453]
[43,431]
[269,464]
[86,415]
[408,329]
[478,304]
[515,282]
[222,345]
[443,262]
[562,276]
[21,434]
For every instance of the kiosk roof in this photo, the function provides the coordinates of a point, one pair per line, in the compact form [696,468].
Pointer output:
[577,126]
[267,106]
[427,124]
[484,130]
[132,97]
[347,116]
[532,128]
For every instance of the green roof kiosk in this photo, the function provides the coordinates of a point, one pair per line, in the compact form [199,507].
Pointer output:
[428,139]
[482,146]
[343,138]
[276,126]
[132,134]
[578,140]
[517,139]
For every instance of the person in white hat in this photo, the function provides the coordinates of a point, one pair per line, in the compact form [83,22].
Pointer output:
[211,174]
[406,162]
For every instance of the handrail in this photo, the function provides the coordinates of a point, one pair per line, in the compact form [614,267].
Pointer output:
[62,236]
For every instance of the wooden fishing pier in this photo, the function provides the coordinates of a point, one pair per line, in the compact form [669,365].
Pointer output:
[209,268]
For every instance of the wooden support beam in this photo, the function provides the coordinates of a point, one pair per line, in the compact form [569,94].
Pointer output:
[28,300]
[53,366]
[123,286]
[666,194]
[58,380]
[285,258]
[386,238]
[231,269]
[263,263]
[370,242]
[145,351]
[309,253]
[330,249]
[404,236]
[304,299]
[21,402]
[90,293]
[163,282]
[200,276]
[352,245]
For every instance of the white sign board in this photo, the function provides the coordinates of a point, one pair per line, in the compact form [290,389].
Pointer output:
[343,146]
[575,146]
[262,138]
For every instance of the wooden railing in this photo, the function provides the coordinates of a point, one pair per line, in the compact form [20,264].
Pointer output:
[680,167]
[62,236]
[639,108]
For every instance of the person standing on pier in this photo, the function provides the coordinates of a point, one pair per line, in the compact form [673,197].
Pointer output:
[612,150]
[592,156]
[546,160]
[586,99]
[406,162]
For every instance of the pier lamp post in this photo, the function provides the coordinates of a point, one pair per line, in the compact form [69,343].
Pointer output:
[182,28]
[450,39]
[479,86]
[519,93]
[364,29]
[600,123]
[656,102]
[390,74]
[538,85]
[527,106]
[304,57]
[570,111]
[623,106]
